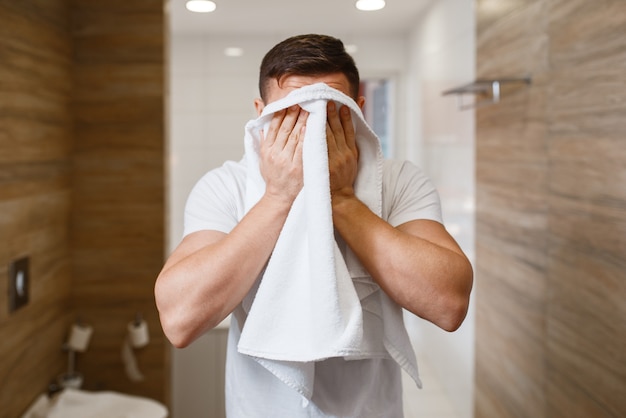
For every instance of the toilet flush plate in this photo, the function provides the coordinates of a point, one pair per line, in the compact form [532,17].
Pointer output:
[19,278]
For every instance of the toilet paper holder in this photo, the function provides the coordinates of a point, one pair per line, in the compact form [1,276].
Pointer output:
[78,341]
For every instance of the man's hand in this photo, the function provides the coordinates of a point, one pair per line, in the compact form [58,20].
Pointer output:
[343,154]
[281,153]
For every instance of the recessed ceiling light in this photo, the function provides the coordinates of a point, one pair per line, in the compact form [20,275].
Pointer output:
[370,5]
[351,48]
[233,52]
[201,6]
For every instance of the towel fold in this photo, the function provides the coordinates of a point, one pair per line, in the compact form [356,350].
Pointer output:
[312,303]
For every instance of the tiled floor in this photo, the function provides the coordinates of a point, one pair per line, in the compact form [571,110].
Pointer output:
[429,402]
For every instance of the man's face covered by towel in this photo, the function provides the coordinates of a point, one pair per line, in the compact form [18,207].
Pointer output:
[277,89]
[281,146]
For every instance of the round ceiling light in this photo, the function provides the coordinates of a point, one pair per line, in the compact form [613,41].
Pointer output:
[201,6]
[370,5]
[233,51]
[351,48]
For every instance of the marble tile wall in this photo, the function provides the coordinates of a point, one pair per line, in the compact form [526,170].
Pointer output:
[551,211]
[586,116]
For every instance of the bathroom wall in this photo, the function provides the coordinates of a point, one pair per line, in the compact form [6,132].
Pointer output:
[81,188]
[551,211]
[442,56]
[35,194]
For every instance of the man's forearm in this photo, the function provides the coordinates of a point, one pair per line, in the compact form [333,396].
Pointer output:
[417,264]
[205,279]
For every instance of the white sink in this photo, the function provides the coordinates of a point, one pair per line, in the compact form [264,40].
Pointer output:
[74,403]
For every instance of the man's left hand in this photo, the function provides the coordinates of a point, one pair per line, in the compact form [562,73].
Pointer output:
[343,154]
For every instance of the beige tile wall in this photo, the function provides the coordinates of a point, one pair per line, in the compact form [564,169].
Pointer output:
[551,211]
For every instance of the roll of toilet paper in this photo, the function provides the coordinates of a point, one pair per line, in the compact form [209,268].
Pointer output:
[137,337]
[130,362]
[138,334]
[79,337]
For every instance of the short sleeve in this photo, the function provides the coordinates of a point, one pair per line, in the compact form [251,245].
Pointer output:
[408,194]
[216,201]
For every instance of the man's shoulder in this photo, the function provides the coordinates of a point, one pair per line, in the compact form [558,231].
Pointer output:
[229,179]
[234,168]
[395,169]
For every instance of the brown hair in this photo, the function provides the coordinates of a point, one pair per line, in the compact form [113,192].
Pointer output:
[308,55]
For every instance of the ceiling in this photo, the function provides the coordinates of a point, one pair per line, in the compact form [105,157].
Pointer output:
[289,17]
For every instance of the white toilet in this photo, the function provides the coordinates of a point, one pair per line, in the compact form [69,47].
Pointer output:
[75,403]
[69,401]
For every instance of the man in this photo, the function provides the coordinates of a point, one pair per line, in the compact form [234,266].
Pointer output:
[408,252]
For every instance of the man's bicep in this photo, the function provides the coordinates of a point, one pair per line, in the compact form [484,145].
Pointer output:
[192,243]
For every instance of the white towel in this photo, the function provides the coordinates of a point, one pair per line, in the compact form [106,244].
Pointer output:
[312,304]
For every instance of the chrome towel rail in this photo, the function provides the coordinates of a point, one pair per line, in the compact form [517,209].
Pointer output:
[488,88]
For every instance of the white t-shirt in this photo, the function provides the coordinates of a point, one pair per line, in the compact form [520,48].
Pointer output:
[369,388]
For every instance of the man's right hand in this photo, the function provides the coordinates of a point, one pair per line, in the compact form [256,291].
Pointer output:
[281,154]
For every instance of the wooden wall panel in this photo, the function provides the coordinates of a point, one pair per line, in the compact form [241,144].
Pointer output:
[551,211]
[512,169]
[81,188]
[35,194]
[586,355]
[117,226]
